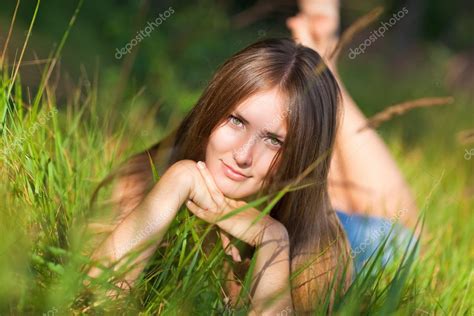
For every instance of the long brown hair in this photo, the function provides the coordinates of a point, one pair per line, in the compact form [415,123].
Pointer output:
[318,244]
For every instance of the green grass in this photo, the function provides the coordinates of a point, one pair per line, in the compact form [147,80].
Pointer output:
[53,155]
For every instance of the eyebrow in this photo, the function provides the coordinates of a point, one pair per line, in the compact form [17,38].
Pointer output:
[265,131]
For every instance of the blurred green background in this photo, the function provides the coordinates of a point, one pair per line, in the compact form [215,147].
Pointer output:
[110,108]
[174,63]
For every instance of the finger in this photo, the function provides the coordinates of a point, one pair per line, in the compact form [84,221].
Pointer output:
[207,216]
[208,178]
[225,242]
[234,204]
[196,210]
[235,254]
[229,248]
[211,184]
[200,193]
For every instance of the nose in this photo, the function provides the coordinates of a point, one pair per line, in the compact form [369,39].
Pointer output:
[243,154]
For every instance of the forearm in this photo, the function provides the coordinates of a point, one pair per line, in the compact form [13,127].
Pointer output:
[271,276]
[146,224]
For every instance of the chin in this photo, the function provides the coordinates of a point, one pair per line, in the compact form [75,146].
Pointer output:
[230,190]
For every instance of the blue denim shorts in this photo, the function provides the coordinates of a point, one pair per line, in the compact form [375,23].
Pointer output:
[367,233]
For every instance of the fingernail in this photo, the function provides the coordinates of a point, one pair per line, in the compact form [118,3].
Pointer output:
[236,255]
[201,165]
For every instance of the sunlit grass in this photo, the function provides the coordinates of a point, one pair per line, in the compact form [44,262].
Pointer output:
[53,155]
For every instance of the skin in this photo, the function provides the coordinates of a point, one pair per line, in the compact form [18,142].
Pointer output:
[213,194]
[316,24]
[210,194]
[241,143]
[243,146]
[358,183]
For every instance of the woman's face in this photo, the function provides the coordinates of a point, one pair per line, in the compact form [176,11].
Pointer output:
[246,142]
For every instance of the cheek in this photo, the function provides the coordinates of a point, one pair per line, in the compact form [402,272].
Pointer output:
[263,163]
[222,140]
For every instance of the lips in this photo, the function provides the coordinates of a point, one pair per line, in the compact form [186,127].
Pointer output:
[233,174]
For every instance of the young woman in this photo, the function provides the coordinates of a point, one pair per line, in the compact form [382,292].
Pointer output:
[267,118]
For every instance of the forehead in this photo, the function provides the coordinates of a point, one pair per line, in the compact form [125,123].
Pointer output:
[265,110]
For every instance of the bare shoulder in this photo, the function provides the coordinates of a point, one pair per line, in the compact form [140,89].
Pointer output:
[127,193]
[185,164]
[181,170]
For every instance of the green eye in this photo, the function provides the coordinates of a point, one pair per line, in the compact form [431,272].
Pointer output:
[275,142]
[235,120]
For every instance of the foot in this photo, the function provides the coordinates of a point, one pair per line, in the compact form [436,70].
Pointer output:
[316,25]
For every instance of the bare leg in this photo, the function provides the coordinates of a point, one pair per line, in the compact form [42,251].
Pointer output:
[371,180]
[363,177]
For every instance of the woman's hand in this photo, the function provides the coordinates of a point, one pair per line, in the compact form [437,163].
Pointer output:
[207,202]
[270,277]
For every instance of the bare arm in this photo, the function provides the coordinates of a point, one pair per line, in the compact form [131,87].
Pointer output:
[270,289]
[271,276]
[148,221]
